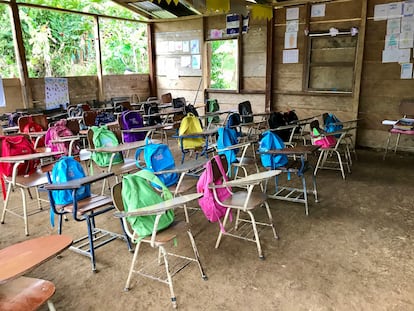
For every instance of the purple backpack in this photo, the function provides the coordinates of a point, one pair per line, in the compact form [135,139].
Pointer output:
[131,119]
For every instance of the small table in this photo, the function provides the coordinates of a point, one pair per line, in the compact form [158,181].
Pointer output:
[299,195]
[24,182]
[17,259]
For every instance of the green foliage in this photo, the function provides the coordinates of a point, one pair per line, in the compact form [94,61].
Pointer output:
[63,44]
[223,66]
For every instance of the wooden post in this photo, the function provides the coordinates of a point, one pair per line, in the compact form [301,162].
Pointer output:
[99,72]
[151,60]
[20,55]
[269,64]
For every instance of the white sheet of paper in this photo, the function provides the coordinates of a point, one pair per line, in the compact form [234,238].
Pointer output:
[186,61]
[2,96]
[171,46]
[186,46]
[406,40]
[393,26]
[394,9]
[292,13]
[56,92]
[407,71]
[291,40]
[392,41]
[292,26]
[408,8]
[179,45]
[171,68]
[407,23]
[405,55]
[390,56]
[318,10]
[380,12]
[290,56]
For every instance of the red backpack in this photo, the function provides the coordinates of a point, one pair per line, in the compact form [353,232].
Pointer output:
[16,145]
[33,127]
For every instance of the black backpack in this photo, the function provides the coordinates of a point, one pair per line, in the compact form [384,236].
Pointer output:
[291,118]
[277,119]
[245,108]
[179,102]
[152,109]
[191,109]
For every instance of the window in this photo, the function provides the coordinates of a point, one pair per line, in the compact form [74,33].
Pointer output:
[331,63]
[124,47]
[8,66]
[57,44]
[223,64]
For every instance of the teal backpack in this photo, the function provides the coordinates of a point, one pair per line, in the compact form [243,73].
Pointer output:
[137,192]
[103,137]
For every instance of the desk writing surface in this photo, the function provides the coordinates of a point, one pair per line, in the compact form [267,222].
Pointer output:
[145,128]
[186,166]
[121,147]
[31,156]
[19,258]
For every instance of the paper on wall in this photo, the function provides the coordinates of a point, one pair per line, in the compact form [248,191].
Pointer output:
[292,26]
[408,8]
[56,92]
[380,12]
[406,40]
[290,56]
[186,46]
[395,9]
[390,56]
[404,56]
[318,10]
[393,26]
[2,97]
[292,13]
[291,39]
[407,23]
[186,61]
[407,71]
[392,41]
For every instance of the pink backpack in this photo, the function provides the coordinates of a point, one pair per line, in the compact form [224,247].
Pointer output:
[59,129]
[210,207]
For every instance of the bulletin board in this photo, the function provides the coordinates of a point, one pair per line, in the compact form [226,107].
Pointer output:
[179,53]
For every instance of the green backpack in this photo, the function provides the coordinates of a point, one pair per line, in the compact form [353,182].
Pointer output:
[137,192]
[103,137]
[213,106]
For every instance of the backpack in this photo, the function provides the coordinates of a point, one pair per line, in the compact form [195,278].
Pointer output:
[103,137]
[152,109]
[213,106]
[233,122]
[131,119]
[14,117]
[323,141]
[16,145]
[33,127]
[271,141]
[329,121]
[190,124]
[158,157]
[104,118]
[137,192]
[191,109]
[64,170]
[227,137]
[179,102]
[210,207]
[291,118]
[55,132]
[277,119]
[245,108]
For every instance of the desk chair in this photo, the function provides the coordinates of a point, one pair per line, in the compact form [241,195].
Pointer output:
[34,123]
[26,294]
[243,201]
[406,109]
[86,210]
[158,240]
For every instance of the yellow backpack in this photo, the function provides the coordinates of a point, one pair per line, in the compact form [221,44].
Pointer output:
[190,125]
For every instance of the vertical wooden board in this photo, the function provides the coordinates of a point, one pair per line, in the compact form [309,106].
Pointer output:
[126,85]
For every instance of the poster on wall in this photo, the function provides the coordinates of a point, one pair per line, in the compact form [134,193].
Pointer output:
[2,97]
[407,71]
[380,12]
[56,92]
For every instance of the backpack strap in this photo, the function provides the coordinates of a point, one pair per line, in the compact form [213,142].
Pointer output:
[137,155]
[152,178]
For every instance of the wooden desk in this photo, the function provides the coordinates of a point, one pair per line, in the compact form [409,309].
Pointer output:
[24,182]
[70,139]
[299,167]
[20,258]
[206,134]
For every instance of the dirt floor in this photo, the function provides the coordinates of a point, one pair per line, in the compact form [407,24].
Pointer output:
[354,251]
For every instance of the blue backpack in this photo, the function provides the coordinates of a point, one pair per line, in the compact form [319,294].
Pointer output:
[131,119]
[64,170]
[270,141]
[227,137]
[332,124]
[158,157]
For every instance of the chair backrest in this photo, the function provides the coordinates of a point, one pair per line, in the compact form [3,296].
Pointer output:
[216,171]
[166,98]
[89,117]
[39,119]
[406,107]
[117,197]
[73,125]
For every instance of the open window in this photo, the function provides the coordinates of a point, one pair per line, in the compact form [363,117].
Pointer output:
[331,63]
[223,64]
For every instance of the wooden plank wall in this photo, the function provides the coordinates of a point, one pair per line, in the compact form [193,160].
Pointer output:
[381,86]
[288,79]
[81,89]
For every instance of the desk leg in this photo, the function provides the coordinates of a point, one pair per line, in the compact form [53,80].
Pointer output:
[6,203]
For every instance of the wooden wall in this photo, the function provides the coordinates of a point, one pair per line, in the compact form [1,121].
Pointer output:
[381,86]
[81,89]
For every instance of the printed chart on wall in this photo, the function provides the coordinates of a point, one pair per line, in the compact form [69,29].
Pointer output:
[178,53]
[56,92]
[2,97]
